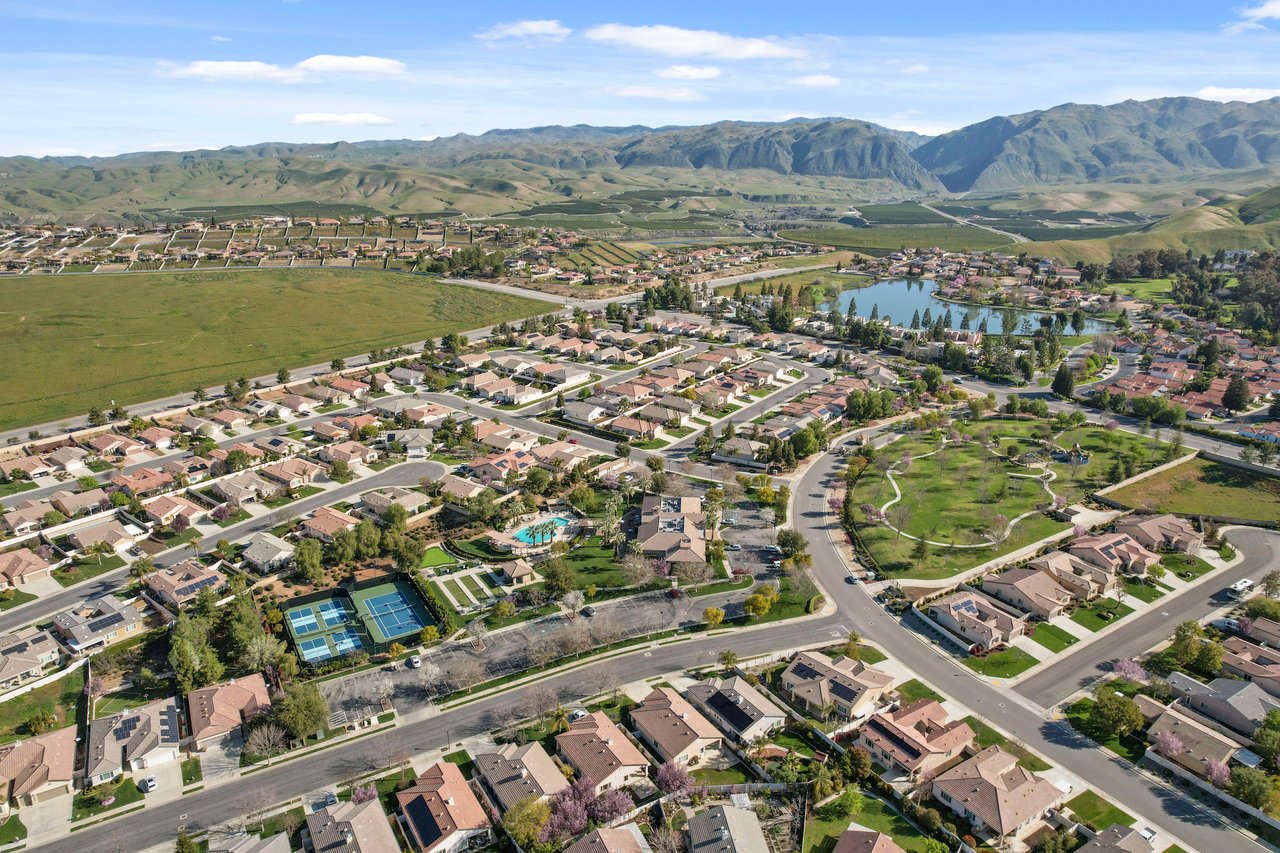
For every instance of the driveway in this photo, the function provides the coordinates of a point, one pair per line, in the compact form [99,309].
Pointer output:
[168,781]
[47,820]
[220,762]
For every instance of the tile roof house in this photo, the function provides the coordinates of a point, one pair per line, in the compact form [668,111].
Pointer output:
[350,828]
[1252,662]
[97,622]
[1117,839]
[24,654]
[1200,744]
[994,793]
[1239,705]
[865,841]
[1084,580]
[739,709]
[672,529]
[132,740]
[672,729]
[512,773]
[978,619]
[611,839]
[243,842]
[267,553]
[215,710]
[179,585]
[326,523]
[112,532]
[1035,592]
[439,812]
[814,681]
[1115,552]
[598,751]
[914,738]
[21,566]
[1162,532]
[726,829]
[39,768]
[166,509]
[245,487]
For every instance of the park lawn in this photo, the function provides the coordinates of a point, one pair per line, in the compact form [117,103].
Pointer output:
[1052,637]
[86,568]
[86,340]
[18,597]
[1091,615]
[473,587]
[1201,487]
[735,774]
[61,698]
[915,689]
[1149,289]
[1130,746]
[86,804]
[1142,591]
[455,589]
[12,830]
[480,548]
[820,835]
[192,772]
[1103,447]
[1097,812]
[593,562]
[1003,664]
[436,557]
[987,736]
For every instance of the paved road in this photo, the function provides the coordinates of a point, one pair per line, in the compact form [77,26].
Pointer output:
[1017,238]
[1078,670]
[407,474]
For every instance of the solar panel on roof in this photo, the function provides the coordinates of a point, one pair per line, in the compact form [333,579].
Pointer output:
[105,622]
[968,606]
[125,730]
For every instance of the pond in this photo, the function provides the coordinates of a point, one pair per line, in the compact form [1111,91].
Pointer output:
[900,298]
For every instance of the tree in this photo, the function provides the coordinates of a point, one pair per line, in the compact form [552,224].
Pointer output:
[1250,785]
[672,778]
[309,559]
[368,540]
[728,659]
[267,740]
[1271,584]
[1064,382]
[1115,712]
[713,616]
[758,605]
[185,843]
[340,470]
[282,376]
[302,710]
[558,578]
[261,652]
[525,820]
[1168,744]
[1237,397]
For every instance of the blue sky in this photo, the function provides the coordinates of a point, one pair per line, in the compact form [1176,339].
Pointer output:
[83,77]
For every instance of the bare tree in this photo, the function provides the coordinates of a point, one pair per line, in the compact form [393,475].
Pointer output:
[387,751]
[572,602]
[478,629]
[466,671]
[637,570]
[539,701]
[575,638]
[603,678]
[267,740]
[543,650]
[429,678]
[900,516]
[691,574]
[382,687]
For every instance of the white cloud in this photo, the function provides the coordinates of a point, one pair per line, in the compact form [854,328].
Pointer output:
[218,39]
[1251,17]
[341,119]
[677,41]
[252,70]
[656,93]
[816,81]
[1236,93]
[547,30]
[915,68]
[689,72]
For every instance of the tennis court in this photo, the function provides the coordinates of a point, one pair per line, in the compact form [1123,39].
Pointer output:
[394,614]
[348,621]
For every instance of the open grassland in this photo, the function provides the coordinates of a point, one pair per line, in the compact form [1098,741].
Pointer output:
[828,282]
[69,343]
[1203,487]
[881,240]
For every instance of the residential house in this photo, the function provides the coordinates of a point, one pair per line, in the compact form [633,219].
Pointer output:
[97,622]
[406,376]
[1199,743]
[1030,590]
[1085,581]
[848,689]
[136,739]
[245,487]
[726,829]
[350,452]
[298,404]
[672,529]
[72,504]
[143,481]
[740,451]
[350,827]
[267,553]
[119,536]
[1117,838]
[914,738]
[417,443]
[598,751]
[21,566]
[38,769]
[583,412]
[996,794]
[978,619]
[865,841]
[27,468]
[326,522]
[498,467]
[69,459]
[191,469]
[157,437]
[167,509]
[457,490]
[219,709]
[737,708]
[1162,533]
[440,813]
[672,729]
[243,842]
[24,654]
[634,427]
[1239,705]
[1252,662]
[513,773]
[280,445]
[232,419]
[377,502]
[177,586]
[1115,552]
[611,839]
[26,517]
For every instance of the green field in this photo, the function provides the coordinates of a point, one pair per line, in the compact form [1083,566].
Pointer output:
[1052,637]
[74,342]
[1203,487]
[1097,812]
[1003,664]
[881,240]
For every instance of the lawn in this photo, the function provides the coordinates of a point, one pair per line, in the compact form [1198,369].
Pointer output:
[1103,448]
[16,598]
[1201,487]
[62,698]
[735,774]
[473,587]
[593,562]
[1097,812]
[87,803]
[86,568]
[1142,591]
[13,487]
[80,341]
[235,518]
[987,736]
[1052,637]
[123,700]
[1130,746]
[464,762]
[191,771]
[1003,664]
[299,494]
[1186,566]
[916,689]
[1150,289]
[820,835]
[436,557]
[1100,614]
[12,830]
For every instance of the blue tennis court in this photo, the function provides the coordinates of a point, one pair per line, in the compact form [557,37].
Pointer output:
[393,613]
[303,620]
[346,640]
[317,648]
[334,613]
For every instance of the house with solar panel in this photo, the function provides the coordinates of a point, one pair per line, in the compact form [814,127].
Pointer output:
[842,688]
[441,814]
[737,708]
[98,622]
[177,586]
[136,739]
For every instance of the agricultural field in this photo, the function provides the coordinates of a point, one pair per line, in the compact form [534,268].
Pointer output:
[906,213]
[1203,487]
[828,282]
[74,342]
[603,254]
[881,240]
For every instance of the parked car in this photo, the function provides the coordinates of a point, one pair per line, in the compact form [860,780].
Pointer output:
[147,785]
[588,611]
[576,714]
[772,549]
[733,546]
[415,662]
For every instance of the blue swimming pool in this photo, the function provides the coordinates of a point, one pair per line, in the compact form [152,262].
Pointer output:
[530,534]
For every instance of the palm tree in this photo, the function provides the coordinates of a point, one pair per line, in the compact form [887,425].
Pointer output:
[827,710]
[559,718]
[728,659]
[99,550]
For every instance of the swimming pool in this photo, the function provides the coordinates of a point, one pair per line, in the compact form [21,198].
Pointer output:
[532,534]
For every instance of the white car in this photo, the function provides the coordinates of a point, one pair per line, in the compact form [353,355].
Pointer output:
[1148,833]
[733,546]
[147,785]
[415,662]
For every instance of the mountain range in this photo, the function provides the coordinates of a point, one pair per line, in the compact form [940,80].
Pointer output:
[1134,142]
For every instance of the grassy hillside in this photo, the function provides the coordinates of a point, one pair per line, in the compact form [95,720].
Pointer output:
[70,342]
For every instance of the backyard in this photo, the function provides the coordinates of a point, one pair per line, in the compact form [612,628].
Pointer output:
[820,833]
[61,699]
[84,341]
[1203,487]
